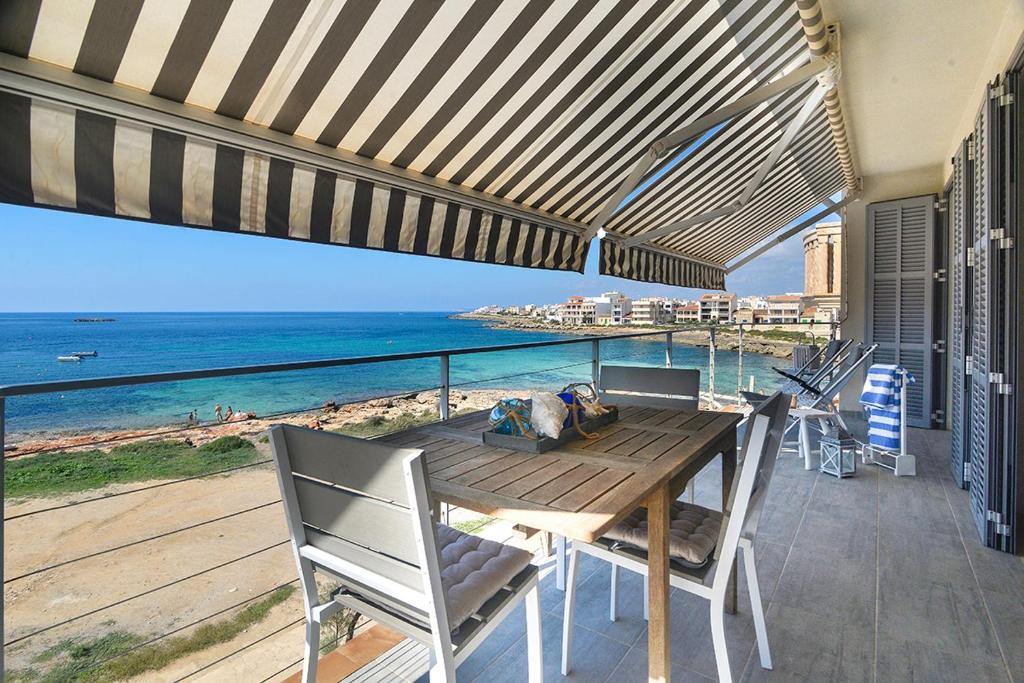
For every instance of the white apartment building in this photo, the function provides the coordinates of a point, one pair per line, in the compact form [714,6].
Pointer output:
[612,308]
[784,308]
[688,312]
[717,307]
[651,310]
[753,303]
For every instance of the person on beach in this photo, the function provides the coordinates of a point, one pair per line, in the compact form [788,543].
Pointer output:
[191,418]
[218,413]
[228,415]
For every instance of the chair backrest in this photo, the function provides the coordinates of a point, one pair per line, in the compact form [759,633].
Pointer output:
[762,440]
[361,510]
[652,387]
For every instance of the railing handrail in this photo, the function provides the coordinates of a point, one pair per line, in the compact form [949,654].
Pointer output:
[30,388]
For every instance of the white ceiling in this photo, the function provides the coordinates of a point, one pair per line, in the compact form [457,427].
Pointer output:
[914,72]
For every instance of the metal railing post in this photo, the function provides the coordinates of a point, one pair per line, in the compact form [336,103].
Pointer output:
[711,365]
[3,496]
[739,363]
[668,349]
[595,362]
[443,396]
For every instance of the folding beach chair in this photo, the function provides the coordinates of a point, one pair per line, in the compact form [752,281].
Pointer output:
[832,357]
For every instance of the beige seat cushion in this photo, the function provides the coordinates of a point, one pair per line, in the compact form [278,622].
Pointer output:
[474,569]
[693,533]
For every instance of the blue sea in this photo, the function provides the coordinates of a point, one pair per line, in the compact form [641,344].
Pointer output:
[160,342]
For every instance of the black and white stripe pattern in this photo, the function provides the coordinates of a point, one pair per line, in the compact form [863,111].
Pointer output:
[546,104]
[542,105]
[62,157]
[656,265]
[716,174]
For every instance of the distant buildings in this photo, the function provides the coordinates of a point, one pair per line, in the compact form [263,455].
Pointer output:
[819,302]
[784,309]
[654,310]
[688,313]
[717,308]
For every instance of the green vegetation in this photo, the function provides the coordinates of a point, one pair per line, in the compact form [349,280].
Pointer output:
[471,526]
[118,656]
[379,424]
[781,335]
[69,472]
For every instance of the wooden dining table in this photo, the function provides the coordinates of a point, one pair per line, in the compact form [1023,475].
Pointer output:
[583,488]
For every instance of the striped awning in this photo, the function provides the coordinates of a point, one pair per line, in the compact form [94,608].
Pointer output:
[717,173]
[488,131]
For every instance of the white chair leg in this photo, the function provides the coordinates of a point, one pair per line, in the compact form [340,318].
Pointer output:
[567,614]
[756,607]
[718,637]
[534,646]
[442,669]
[311,654]
[613,606]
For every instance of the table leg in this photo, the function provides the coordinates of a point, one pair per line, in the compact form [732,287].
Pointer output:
[658,579]
[728,475]
[805,444]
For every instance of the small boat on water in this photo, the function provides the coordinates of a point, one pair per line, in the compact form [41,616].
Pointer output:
[69,359]
[84,354]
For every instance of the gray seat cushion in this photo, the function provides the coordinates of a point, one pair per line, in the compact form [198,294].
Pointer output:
[474,569]
[692,536]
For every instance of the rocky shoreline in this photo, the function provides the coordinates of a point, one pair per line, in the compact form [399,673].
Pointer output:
[329,416]
[727,339]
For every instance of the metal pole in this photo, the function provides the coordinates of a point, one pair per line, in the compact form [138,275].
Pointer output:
[444,394]
[711,366]
[739,364]
[595,362]
[3,496]
[668,349]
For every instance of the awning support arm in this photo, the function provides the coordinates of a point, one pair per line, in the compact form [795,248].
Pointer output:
[808,108]
[663,146]
[830,207]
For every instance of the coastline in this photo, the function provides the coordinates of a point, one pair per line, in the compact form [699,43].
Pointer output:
[728,340]
[329,416]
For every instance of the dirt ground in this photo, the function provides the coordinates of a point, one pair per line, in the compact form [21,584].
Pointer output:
[171,571]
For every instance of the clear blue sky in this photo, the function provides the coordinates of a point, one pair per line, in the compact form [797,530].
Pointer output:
[60,261]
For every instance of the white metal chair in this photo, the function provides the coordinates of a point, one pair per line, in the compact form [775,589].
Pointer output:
[359,512]
[626,545]
[647,387]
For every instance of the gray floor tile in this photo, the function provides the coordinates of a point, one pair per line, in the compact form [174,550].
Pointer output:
[836,561]
[595,657]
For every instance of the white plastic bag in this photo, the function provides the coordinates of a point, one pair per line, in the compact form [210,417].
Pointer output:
[548,414]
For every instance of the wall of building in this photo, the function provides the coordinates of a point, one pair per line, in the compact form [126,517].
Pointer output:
[876,189]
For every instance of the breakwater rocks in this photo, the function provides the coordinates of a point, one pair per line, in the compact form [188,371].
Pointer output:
[727,339]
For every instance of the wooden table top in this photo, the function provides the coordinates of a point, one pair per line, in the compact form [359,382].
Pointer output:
[579,490]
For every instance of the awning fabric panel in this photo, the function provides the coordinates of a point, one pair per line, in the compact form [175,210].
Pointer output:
[532,107]
[656,265]
[543,103]
[716,174]
[58,156]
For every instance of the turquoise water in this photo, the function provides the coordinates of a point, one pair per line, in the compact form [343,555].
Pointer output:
[160,342]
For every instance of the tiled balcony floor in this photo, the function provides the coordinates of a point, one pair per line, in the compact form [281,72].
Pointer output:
[871,578]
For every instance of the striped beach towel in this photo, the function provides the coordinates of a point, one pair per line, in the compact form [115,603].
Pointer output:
[881,398]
